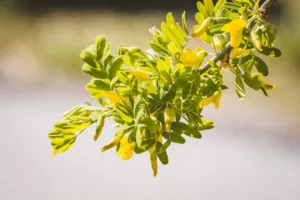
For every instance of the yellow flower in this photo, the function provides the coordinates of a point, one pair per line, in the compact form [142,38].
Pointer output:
[112,96]
[215,99]
[235,28]
[141,75]
[126,149]
[238,51]
[192,58]
[188,57]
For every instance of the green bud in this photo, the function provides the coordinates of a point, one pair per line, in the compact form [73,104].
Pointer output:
[100,124]
[100,45]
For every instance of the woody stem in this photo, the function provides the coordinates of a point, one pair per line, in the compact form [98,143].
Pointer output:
[263,10]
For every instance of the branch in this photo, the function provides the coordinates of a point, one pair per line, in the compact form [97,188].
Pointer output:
[263,12]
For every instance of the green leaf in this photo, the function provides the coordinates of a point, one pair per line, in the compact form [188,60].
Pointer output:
[159,49]
[184,24]
[106,53]
[151,88]
[163,156]
[254,83]
[115,66]
[117,118]
[100,45]
[117,138]
[149,124]
[90,59]
[272,52]
[218,5]
[171,37]
[170,19]
[138,101]
[209,5]
[166,77]
[213,30]
[186,91]
[261,66]
[269,33]
[99,127]
[113,82]
[199,17]
[180,127]
[61,142]
[192,133]
[206,38]
[201,8]
[209,87]
[206,124]
[169,96]
[122,77]
[138,136]
[76,123]
[146,145]
[163,147]
[256,7]
[124,112]
[232,6]
[240,88]
[139,115]
[174,137]
[95,86]
[241,10]
[73,112]
[94,72]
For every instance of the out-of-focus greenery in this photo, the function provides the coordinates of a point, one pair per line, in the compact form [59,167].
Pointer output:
[53,41]
[56,40]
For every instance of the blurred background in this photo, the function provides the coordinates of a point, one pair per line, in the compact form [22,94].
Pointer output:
[253,153]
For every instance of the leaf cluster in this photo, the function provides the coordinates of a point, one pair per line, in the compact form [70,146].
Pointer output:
[156,96]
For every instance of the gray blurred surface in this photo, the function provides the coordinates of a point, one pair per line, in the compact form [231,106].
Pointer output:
[255,155]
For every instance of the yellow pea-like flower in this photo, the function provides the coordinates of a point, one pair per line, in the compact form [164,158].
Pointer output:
[235,28]
[188,57]
[214,99]
[141,75]
[126,149]
[112,96]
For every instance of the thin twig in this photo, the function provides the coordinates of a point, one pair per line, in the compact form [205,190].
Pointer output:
[263,11]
